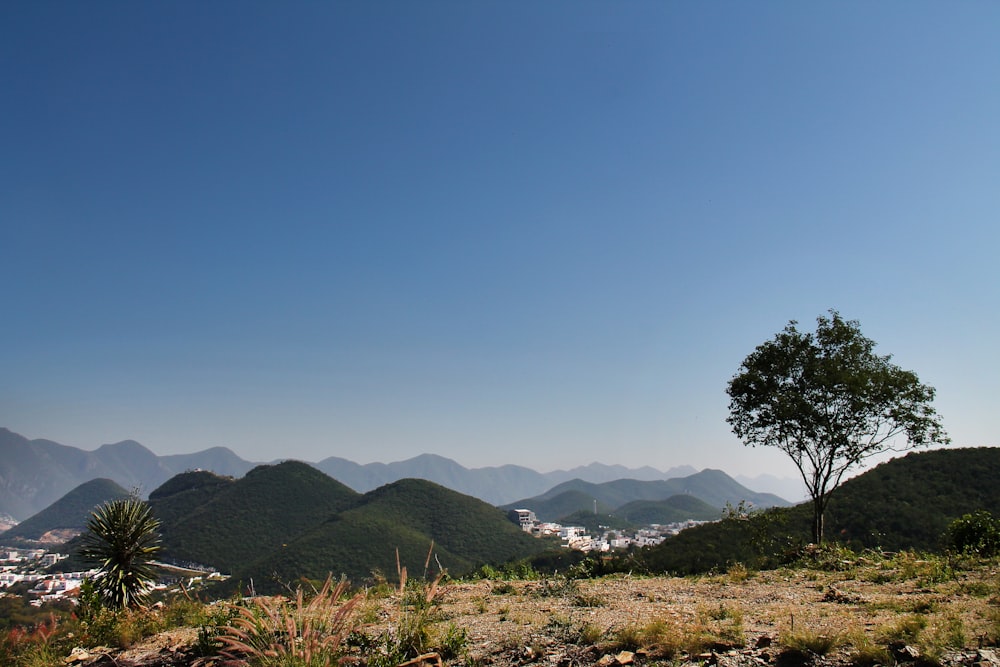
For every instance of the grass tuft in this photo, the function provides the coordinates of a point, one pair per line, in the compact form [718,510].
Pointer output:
[277,631]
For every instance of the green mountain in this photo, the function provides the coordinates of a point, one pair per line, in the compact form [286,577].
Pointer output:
[905,503]
[673,509]
[217,521]
[571,501]
[406,515]
[713,487]
[639,513]
[289,520]
[68,515]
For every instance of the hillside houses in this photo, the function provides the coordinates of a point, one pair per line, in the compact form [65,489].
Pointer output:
[579,538]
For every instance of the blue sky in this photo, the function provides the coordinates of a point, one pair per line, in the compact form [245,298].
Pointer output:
[538,233]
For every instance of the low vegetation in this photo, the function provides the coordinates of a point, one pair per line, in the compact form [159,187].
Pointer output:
[853,608]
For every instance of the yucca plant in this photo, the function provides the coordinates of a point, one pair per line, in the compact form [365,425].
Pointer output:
[277,631]
[122,538]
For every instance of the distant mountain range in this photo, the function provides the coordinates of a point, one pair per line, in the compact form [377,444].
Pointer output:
[36,473]
[713,487]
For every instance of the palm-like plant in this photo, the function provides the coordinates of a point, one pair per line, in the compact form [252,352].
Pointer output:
[122,538]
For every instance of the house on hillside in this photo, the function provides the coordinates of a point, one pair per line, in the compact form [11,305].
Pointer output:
[526,519]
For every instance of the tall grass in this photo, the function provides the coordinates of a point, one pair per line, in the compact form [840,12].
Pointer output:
[277,632]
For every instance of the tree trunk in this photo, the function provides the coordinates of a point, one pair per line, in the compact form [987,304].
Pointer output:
[817,527]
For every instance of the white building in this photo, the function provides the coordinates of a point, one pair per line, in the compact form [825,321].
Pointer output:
[526,519]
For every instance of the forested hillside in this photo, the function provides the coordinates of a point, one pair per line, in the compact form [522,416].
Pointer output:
[290,520]
[906,503]
[407,515]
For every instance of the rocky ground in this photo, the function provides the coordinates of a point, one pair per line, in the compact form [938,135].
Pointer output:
[861,616]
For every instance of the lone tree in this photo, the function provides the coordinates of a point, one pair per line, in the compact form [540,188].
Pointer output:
[122,538]
[829,402]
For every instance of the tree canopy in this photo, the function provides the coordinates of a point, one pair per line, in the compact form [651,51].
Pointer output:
[829,402]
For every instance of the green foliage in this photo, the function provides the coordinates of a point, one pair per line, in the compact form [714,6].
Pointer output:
[99,624]
[977,533]
[829,402]
[15,612]
[122,539]
[453,643]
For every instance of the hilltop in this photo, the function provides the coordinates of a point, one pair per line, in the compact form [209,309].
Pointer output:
[226,523]
[290,520]
[67,516]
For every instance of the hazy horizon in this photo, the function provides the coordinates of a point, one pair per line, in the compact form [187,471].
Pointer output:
[538,234]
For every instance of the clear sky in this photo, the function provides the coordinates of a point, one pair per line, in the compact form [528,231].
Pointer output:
[535,233]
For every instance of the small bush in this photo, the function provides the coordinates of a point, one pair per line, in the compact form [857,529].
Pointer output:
[869,656]
[453,643]
[977,533]
[906,629]
[737,573]
[588,634]
[811,642]
[588,600]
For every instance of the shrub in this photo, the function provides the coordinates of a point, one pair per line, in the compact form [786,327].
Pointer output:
[122,539]
[977,533]
[811,642]
[411,635]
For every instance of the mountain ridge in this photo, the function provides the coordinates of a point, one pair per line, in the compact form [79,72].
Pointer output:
[289,520]
[713,487]
[36,473]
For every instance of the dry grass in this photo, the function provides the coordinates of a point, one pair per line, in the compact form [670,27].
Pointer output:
[850,616]
[278,631]
[852,613]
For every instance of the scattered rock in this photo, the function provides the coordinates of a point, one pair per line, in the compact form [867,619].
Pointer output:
[903,652]
[425,660]
[841,597]
[987,658]
[625,658]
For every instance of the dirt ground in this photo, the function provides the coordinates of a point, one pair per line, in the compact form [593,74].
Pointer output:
[861,616]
